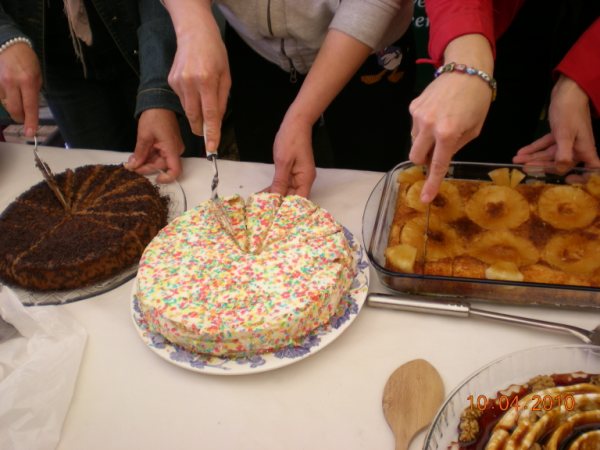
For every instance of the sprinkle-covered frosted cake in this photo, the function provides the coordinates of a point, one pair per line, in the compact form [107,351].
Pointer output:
[282,279]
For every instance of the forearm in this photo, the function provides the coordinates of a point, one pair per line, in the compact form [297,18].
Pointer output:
[322,84]
[472,50]
[190,15]
[582,64]
[375,23]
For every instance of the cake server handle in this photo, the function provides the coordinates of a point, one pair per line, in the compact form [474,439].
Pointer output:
[441,305]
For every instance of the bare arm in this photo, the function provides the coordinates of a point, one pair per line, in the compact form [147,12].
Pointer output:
[200,72]
[292,151]
[451,110]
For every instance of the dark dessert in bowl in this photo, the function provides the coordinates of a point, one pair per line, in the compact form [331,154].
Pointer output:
[545,398]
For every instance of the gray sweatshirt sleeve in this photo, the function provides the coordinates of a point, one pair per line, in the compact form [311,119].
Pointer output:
[376,23]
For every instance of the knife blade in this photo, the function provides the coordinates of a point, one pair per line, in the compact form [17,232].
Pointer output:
[48,176]
[219,209]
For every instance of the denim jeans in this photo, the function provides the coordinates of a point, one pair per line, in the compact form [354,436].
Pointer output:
[94,114]
[139,39]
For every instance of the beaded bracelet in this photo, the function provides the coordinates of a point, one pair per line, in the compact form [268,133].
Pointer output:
[14,41]
[462,68]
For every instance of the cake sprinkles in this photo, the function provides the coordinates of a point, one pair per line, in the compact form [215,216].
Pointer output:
[201,291]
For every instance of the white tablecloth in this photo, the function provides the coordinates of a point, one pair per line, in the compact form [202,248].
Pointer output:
[127,397]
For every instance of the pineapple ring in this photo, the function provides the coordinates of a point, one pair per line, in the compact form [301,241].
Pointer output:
[412,174]
[447,205]
[573,253]
[503,246]
[402,257]
[567,207]
[497,208]
[440,241]
[593,184]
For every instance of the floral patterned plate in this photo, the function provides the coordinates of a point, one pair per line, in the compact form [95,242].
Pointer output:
[348,309]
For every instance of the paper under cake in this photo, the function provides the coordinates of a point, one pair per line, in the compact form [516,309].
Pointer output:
[283,279]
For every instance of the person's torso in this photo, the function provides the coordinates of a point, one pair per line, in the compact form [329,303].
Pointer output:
[288,33]
[114,26]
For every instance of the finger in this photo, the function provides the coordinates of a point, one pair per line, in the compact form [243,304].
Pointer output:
[192,105]
[30,99]
[548,154]
[303,190]
[564,151]
[592,162]
[14,105]
[174,169]
[143,147]
[438,168]
[279,185]
[539,144]
[212,117]
[421,148]
[266,189]
[224,87]
[413,133]
[585,147]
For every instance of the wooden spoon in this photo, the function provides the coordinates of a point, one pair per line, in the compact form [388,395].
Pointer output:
[411,397]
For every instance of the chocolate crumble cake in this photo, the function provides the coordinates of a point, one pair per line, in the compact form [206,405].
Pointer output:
[113,214]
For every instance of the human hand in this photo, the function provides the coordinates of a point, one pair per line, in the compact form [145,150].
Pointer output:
[447,115]
[451,110]
[20,84]
[294,161]
[571,138]
[159,145]
[200,72]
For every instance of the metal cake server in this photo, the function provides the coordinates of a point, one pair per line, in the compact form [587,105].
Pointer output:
[439,305]
[216,201]
[48,175]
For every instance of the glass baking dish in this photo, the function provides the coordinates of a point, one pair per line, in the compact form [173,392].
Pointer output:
[378,219]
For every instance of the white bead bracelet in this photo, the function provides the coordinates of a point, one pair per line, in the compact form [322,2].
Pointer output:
[14,41]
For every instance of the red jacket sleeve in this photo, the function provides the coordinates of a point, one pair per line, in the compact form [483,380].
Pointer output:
[582,63]
[449,19]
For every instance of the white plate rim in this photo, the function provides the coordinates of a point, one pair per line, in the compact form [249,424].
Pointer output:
[353,300]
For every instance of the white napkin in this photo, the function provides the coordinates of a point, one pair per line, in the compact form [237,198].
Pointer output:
[38,369]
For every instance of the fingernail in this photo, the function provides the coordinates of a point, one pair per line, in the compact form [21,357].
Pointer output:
[29,132]
[131,162]
[165,178]
[210,146]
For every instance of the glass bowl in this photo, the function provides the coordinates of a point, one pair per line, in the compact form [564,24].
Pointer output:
[378,218]
[515,368]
